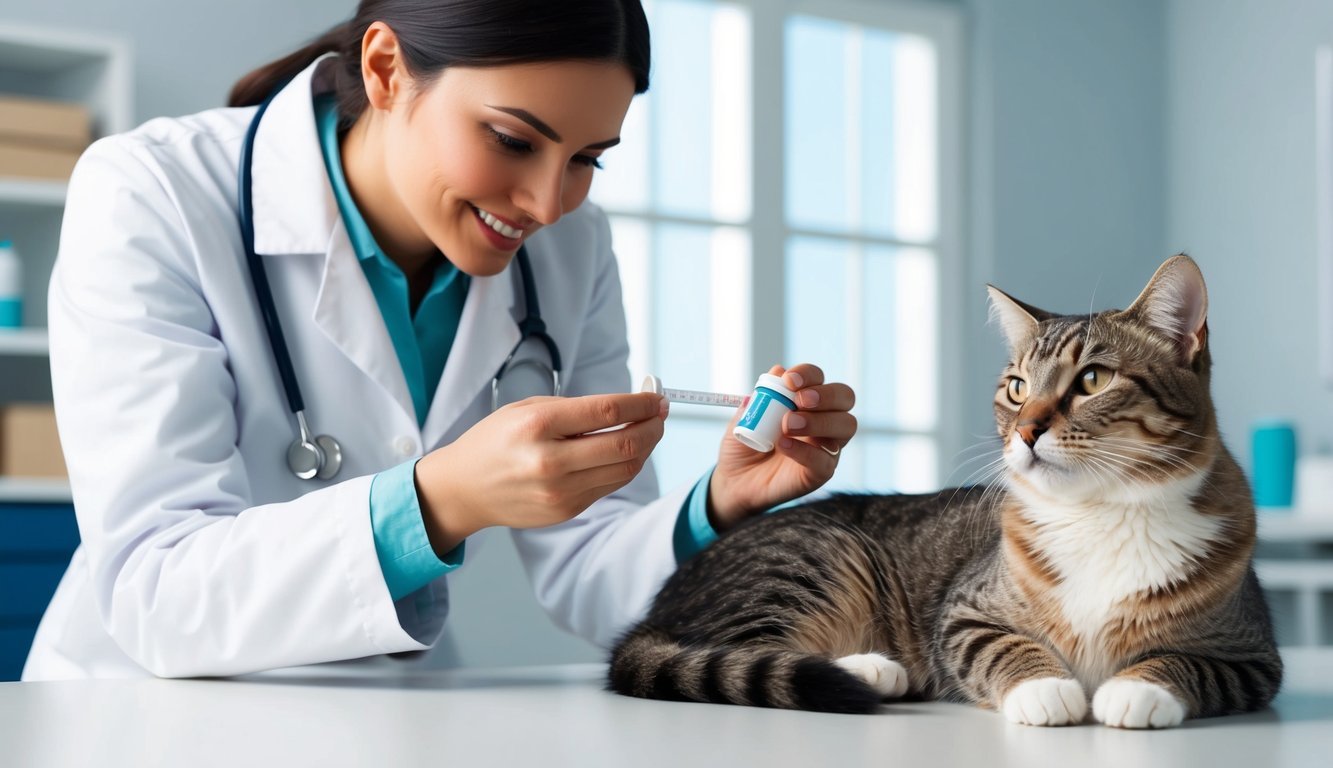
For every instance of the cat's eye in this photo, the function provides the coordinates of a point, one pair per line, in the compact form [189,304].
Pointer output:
[1018,391]
[1094,379]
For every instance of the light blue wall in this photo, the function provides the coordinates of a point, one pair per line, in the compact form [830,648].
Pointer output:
[1066,180]
[1241,197]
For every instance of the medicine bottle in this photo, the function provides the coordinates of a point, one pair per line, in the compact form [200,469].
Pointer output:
[11,286]
[761,424]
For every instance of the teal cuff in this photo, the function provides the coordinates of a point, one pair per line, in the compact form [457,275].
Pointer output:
[404,550]
[693,531]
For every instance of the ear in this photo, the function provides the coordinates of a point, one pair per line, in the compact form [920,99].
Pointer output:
[1016,319]
[1175,304]
[382,70]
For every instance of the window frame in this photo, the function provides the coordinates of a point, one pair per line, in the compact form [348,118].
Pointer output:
[767,225]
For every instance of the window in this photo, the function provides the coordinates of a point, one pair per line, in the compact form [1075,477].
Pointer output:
[783,194]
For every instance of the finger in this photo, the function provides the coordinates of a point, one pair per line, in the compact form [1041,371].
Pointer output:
[571,416]
[805,452]
[601,449]
[803,375]
[826,397]
[835,428]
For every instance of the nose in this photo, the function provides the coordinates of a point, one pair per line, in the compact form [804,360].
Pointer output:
[1032,429]
[543,197]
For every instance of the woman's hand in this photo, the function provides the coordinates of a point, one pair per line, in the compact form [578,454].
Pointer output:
[535,463]
[747,482]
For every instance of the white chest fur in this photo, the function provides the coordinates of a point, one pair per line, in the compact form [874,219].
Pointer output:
[1109,551]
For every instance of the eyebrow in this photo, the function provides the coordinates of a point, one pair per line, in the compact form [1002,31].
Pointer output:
[541,127]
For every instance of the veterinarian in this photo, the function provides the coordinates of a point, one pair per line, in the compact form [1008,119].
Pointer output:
[304,347]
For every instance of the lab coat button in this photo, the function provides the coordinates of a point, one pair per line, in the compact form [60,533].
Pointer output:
[405,446]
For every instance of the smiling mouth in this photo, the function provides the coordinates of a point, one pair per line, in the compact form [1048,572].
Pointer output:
[501,228]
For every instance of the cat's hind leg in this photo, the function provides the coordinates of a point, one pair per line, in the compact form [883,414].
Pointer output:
[887,677]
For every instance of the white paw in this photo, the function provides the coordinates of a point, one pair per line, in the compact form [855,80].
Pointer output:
[887,677]
[1126,703]
[1046,701]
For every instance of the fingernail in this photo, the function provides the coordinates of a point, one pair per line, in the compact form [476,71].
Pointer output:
[796,379]
[809,398]
[796,421]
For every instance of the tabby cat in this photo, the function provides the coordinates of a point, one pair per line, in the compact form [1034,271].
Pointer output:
[1114,559]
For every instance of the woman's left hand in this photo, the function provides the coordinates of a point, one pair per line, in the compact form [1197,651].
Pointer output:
[747,482]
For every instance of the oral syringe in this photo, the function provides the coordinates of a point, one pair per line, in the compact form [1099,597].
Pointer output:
[691,396]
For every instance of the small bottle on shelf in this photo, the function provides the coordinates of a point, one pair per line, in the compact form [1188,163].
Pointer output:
[11,287]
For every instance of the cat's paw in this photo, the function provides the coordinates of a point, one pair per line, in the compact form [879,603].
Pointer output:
[887,677]
[1046,701]
[1128,703]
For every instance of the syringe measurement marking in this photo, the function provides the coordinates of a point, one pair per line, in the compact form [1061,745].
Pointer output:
[702,398]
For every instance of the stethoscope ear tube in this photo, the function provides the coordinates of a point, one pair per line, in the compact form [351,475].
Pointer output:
[307,457]
[320,457]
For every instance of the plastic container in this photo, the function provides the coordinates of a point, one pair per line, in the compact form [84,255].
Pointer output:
[11,286]
[1273,444]
[761,424]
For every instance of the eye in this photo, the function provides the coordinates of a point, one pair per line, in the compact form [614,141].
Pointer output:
[587,160]
[1094,379]
[517,146]
[1018,391]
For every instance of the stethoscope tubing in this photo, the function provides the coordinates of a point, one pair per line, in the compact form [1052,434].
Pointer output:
[320,457]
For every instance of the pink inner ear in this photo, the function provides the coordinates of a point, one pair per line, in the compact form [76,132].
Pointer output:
[1183,314]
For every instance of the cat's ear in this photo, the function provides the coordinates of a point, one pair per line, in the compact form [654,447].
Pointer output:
[1175,304]
[1016,319]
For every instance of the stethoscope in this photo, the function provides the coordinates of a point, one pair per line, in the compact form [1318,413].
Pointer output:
[320,457]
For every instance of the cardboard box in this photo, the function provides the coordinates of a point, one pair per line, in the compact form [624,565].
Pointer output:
[34,162]
[29,445]
[51,124]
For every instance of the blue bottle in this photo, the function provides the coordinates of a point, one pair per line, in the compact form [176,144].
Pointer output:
[11,286]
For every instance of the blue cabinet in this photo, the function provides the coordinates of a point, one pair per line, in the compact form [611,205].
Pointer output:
[36,541]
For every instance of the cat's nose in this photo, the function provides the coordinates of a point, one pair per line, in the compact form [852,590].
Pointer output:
[1031,430]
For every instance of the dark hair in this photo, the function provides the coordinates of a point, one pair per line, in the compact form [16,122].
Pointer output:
[435,34]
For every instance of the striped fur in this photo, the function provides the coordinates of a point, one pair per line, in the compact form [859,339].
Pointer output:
[1112,565]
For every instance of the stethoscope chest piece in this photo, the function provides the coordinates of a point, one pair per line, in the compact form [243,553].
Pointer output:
[313,457]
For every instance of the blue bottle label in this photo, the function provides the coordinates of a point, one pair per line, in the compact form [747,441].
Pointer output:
[755,412]
[11,313]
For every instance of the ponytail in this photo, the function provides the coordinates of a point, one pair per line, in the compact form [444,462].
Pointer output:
[259,84]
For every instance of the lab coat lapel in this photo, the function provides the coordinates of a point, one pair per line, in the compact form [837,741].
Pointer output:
[348,315]
[486,333]
[295,213]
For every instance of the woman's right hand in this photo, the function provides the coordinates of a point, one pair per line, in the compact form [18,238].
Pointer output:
[535,463]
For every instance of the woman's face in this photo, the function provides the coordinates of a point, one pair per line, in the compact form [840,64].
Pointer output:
[485,157]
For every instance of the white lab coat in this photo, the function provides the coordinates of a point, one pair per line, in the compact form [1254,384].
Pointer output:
[201,553]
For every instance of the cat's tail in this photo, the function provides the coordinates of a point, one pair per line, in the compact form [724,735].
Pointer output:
[650,664]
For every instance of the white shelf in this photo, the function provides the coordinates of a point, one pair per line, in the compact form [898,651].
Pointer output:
[23,341]
[32,192]
[1296,527]
[34,490]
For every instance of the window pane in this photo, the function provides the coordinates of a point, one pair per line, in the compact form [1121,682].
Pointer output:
[630,241]
[685,144]
[818,307]
[867,315]
[899,366]
[687,450]
[878,463]
[686,293]
[861,154]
